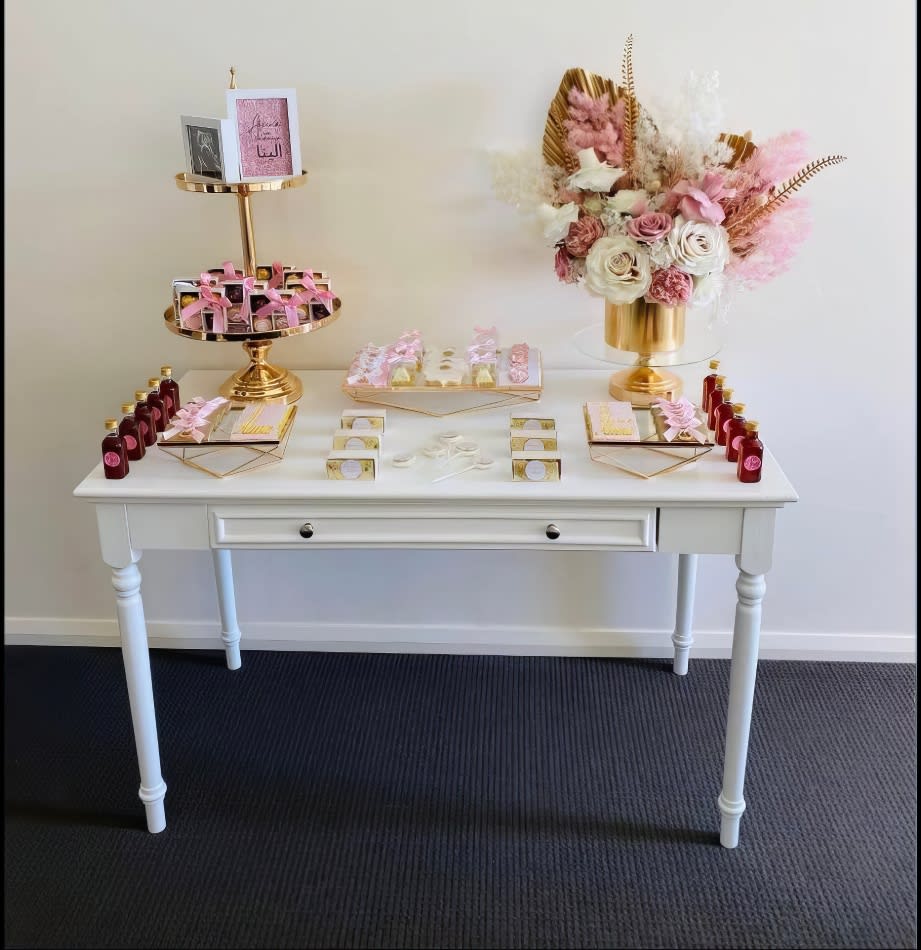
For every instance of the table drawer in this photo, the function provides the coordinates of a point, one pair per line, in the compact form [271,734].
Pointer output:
[624,529]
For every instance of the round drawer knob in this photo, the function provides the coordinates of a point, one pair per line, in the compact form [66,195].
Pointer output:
[306,530]
[553,532]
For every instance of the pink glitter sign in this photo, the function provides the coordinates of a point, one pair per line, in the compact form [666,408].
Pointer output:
[264,136]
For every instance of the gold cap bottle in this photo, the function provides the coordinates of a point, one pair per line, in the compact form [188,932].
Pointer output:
[751,426]
[738,408]
[141,395]
[720,380]
[127,407]
[727,395]
[714,364]
[111,424]
[166,370]
[154,382]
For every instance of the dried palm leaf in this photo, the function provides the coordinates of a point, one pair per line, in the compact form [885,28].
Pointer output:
[554,150]
[632,108]
[741,145]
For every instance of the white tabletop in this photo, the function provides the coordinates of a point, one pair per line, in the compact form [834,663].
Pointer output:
[302,473]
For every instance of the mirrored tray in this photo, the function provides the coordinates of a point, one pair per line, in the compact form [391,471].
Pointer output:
[438,400]
[652,454]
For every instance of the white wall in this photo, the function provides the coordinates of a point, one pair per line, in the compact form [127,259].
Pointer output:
[399,102]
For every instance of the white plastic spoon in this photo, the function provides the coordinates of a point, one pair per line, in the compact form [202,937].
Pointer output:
[481,462]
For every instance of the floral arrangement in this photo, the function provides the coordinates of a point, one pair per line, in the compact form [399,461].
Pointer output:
[666,208]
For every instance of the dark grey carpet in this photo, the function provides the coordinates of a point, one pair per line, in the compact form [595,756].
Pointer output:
[343,800]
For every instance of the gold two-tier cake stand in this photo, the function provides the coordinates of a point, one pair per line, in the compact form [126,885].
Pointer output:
[259,381]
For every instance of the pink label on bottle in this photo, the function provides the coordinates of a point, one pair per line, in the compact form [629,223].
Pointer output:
[142,427]
[130,442]
[752,463]
[726,424]
[736,442]
[155,412]
[112,459]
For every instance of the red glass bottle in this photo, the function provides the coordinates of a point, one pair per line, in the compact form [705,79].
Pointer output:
[156,403]
[716,397]
[169,390]
[751,455]
[735,431]
[145,420]
[114,457]
[722,414]
[709,383]
[131,434]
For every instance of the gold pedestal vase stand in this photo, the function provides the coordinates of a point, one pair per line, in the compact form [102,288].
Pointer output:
[259,381]
[647,329]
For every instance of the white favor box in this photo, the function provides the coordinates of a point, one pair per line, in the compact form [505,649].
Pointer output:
[533,440]
[536,467]
[352,465]
[357,439]
[363,419]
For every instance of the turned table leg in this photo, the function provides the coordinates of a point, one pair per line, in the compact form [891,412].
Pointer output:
[227,604]
[747,629]
[136,655]
[683,636]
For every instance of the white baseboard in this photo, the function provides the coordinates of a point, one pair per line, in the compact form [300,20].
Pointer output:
[463,639]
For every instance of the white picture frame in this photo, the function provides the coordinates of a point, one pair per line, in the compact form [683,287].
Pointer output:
[266,133]
[210,149]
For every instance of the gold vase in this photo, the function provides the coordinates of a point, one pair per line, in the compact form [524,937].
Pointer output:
[646,329]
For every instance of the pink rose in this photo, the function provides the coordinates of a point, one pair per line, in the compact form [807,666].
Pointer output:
[565,267]
[649,227]
[582,235]
[699,202]
[670,286]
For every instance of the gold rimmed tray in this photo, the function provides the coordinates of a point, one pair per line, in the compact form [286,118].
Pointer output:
[652,454]
[185,182]
[259,381]
[169,317]
[222,457]
[451,400]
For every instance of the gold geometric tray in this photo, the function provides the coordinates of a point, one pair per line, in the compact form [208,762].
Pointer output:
[449,400]
[653,454]
[221,457]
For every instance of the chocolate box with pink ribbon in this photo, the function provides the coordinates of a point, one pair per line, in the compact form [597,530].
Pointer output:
[224,300]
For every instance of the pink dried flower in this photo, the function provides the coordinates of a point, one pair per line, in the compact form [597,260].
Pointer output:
[566,268]
[583,234]
[700,201]
[769,247]
[670,287]
[649,227]
[595,123]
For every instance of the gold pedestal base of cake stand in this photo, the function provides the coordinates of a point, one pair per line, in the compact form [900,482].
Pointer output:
[641,385]
[260,381]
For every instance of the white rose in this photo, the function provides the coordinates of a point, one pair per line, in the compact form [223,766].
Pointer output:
[707,289]
[617,268]
[556,221]
[698,247]
[625,199]
[593,174]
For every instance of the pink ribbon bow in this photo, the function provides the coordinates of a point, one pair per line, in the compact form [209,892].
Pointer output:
[289,305]
[681,418]
[192,418]
[208,299]
[278,275]
[315,293]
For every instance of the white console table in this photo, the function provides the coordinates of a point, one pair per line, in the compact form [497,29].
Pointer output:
[699,509]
